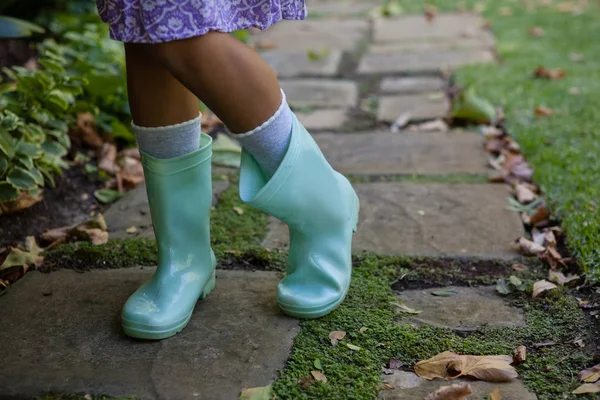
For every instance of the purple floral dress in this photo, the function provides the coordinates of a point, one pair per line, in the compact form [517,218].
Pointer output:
[155,21]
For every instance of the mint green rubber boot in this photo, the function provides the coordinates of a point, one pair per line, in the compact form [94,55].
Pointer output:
[320,208]
[180,196]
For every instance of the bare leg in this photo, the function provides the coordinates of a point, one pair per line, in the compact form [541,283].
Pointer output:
[156,98]
[227,75]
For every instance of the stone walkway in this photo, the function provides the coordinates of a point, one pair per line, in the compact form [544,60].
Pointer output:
[66,337]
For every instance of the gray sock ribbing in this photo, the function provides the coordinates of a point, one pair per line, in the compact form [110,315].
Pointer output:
[269,142]
[169,141]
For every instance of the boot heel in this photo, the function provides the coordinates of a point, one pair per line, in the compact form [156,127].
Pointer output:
[355,213]
[210,285]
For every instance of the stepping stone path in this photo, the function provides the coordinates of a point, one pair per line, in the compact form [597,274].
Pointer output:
[67,338]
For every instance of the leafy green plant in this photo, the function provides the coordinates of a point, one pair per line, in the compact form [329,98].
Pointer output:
[36,109]
[17,28]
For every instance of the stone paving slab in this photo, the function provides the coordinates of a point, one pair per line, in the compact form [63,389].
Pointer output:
[428,220]
[472,308]
[416,27]
[408,386]
[64,335]
[388,60]
[321,120]
[133,210]
[320,93]
[483,41]
[339,8]
[293,64]
[317,34]
[407,85]
[381,152]
[419,106]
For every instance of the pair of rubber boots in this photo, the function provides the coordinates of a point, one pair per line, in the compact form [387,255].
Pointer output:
[317,203]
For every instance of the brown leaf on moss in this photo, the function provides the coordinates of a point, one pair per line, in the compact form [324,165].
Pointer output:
[542,286]
[319,376]
[590,375]
[336,336]
[587,388]
[457,391]
[520,354]
[520,267]
[560,278]
[537,31]
[449,365]
[542,111]
[553,74]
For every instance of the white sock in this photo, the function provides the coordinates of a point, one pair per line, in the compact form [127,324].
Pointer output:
[269,142]
[169,141]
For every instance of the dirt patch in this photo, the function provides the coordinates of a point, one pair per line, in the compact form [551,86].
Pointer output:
[69,203]
[433,272]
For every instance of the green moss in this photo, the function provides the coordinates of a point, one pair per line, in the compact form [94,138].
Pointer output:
[231,231]
[121,253]
[356,374]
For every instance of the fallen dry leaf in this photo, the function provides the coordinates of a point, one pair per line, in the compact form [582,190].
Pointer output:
[575,91]
[400,122]
[435,125]
[541,214]
[528,248]
[395,363]
[238,210]
[449,365]
[457,391]
[406,309]
[257,393]
[524,193]
[131,229]
[495,395]
[24,201]
[567,7]
[505,11]
[86,131]
[520,267]
[319,376]
[430,13]
[553,74]
[537,31]
[560,278]
[542,111]
[587,388]
[363,329]
[352,347]
[108,156]
[520,354]
[577,57]
[542,286]
[264,45]
[590,375]
[92,230]
[131,170]
[336,336]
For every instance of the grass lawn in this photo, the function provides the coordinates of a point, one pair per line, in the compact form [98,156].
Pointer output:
[564,148]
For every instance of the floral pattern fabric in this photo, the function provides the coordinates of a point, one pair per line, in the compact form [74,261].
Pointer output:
[155,21]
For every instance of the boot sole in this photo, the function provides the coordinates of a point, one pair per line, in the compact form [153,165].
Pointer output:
[132,329]
[326,309]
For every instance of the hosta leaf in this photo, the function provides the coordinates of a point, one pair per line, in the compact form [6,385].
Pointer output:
[34,133]
[29,149]
[17,28]
[25,161]
[54,149]
[8,192]
[61,99]
[52,65]
[21,179]
[3,162]
[37,176]
[48,177]
[7,144]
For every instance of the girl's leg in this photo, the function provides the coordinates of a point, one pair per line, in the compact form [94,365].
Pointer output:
[176,161]
[160,102]
[238,86]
